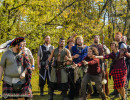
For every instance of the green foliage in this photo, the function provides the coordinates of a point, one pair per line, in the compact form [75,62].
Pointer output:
[34,19]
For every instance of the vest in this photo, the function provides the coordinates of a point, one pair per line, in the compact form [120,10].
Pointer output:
[62,54]
[44,53]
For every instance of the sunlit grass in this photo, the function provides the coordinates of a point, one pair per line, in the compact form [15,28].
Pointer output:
[36,90]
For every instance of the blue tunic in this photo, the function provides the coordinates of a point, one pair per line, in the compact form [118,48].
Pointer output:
[82,52]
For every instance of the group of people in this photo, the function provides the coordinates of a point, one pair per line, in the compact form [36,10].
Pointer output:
[79,69]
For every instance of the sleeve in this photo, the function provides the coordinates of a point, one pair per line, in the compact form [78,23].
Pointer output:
[107,51]
[94,61]
[81,63]
[26,61]
[123,45]
[30,53]
[3,60]
[108,56]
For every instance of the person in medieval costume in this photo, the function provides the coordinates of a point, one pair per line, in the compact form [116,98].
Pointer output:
[44,72]
[17,72]
[102,49]
[59,77]
[118,67]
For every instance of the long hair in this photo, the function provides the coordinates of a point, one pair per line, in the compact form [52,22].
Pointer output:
[94,50]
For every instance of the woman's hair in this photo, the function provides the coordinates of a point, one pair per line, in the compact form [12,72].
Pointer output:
[94,50]
[116,44]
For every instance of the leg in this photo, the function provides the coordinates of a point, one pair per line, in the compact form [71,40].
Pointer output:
[41,81]
[98,79]
[85,81]
[122,92]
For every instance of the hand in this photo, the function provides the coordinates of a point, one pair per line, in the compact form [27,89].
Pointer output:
[33,68]
[76,56]
[47,67]
[39,67]
[66,58]
[85,62]
[22,76]
[93,56]
[74,65]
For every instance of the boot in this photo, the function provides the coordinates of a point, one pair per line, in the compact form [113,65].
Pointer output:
[64,95]
[41,91]
[51,96]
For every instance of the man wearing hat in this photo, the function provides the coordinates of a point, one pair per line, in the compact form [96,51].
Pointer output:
[13,62]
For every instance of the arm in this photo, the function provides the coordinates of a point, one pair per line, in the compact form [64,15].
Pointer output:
[38,62]
[1,72]
[68,57]
[51,56]
[32,62]
[127,55]
[99,57]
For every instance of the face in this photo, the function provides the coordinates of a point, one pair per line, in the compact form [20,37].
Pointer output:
[96,39]
[117,37]
[124,39]
[61,43]
[113,46]
[20,46]
[90,54]
[79,41]
[47,40]
[24,44]
[71,44]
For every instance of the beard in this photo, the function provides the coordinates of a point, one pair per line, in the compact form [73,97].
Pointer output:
[47,42]
[95,41]
[79,44]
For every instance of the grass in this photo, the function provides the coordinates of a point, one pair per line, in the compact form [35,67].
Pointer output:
[36,93]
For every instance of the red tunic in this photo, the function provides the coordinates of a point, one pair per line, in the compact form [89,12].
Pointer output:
[93,65]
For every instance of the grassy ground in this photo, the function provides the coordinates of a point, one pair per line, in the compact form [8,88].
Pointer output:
[36,94]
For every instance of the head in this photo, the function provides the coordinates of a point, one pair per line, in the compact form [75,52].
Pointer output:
[79,41]
[61,42]
[114,45]
[18,44]
[124,39]
[118,36]
[92,51]
[47,39]
[96,39]
[70,44]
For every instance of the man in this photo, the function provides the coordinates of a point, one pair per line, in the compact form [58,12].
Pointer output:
[122,45]
[28,52]
[13,63]
[59,77]
[43,54]
[127,60]
[102,49]
[79,51]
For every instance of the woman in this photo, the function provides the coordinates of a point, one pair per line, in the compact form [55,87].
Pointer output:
[93,73]
[119,69]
